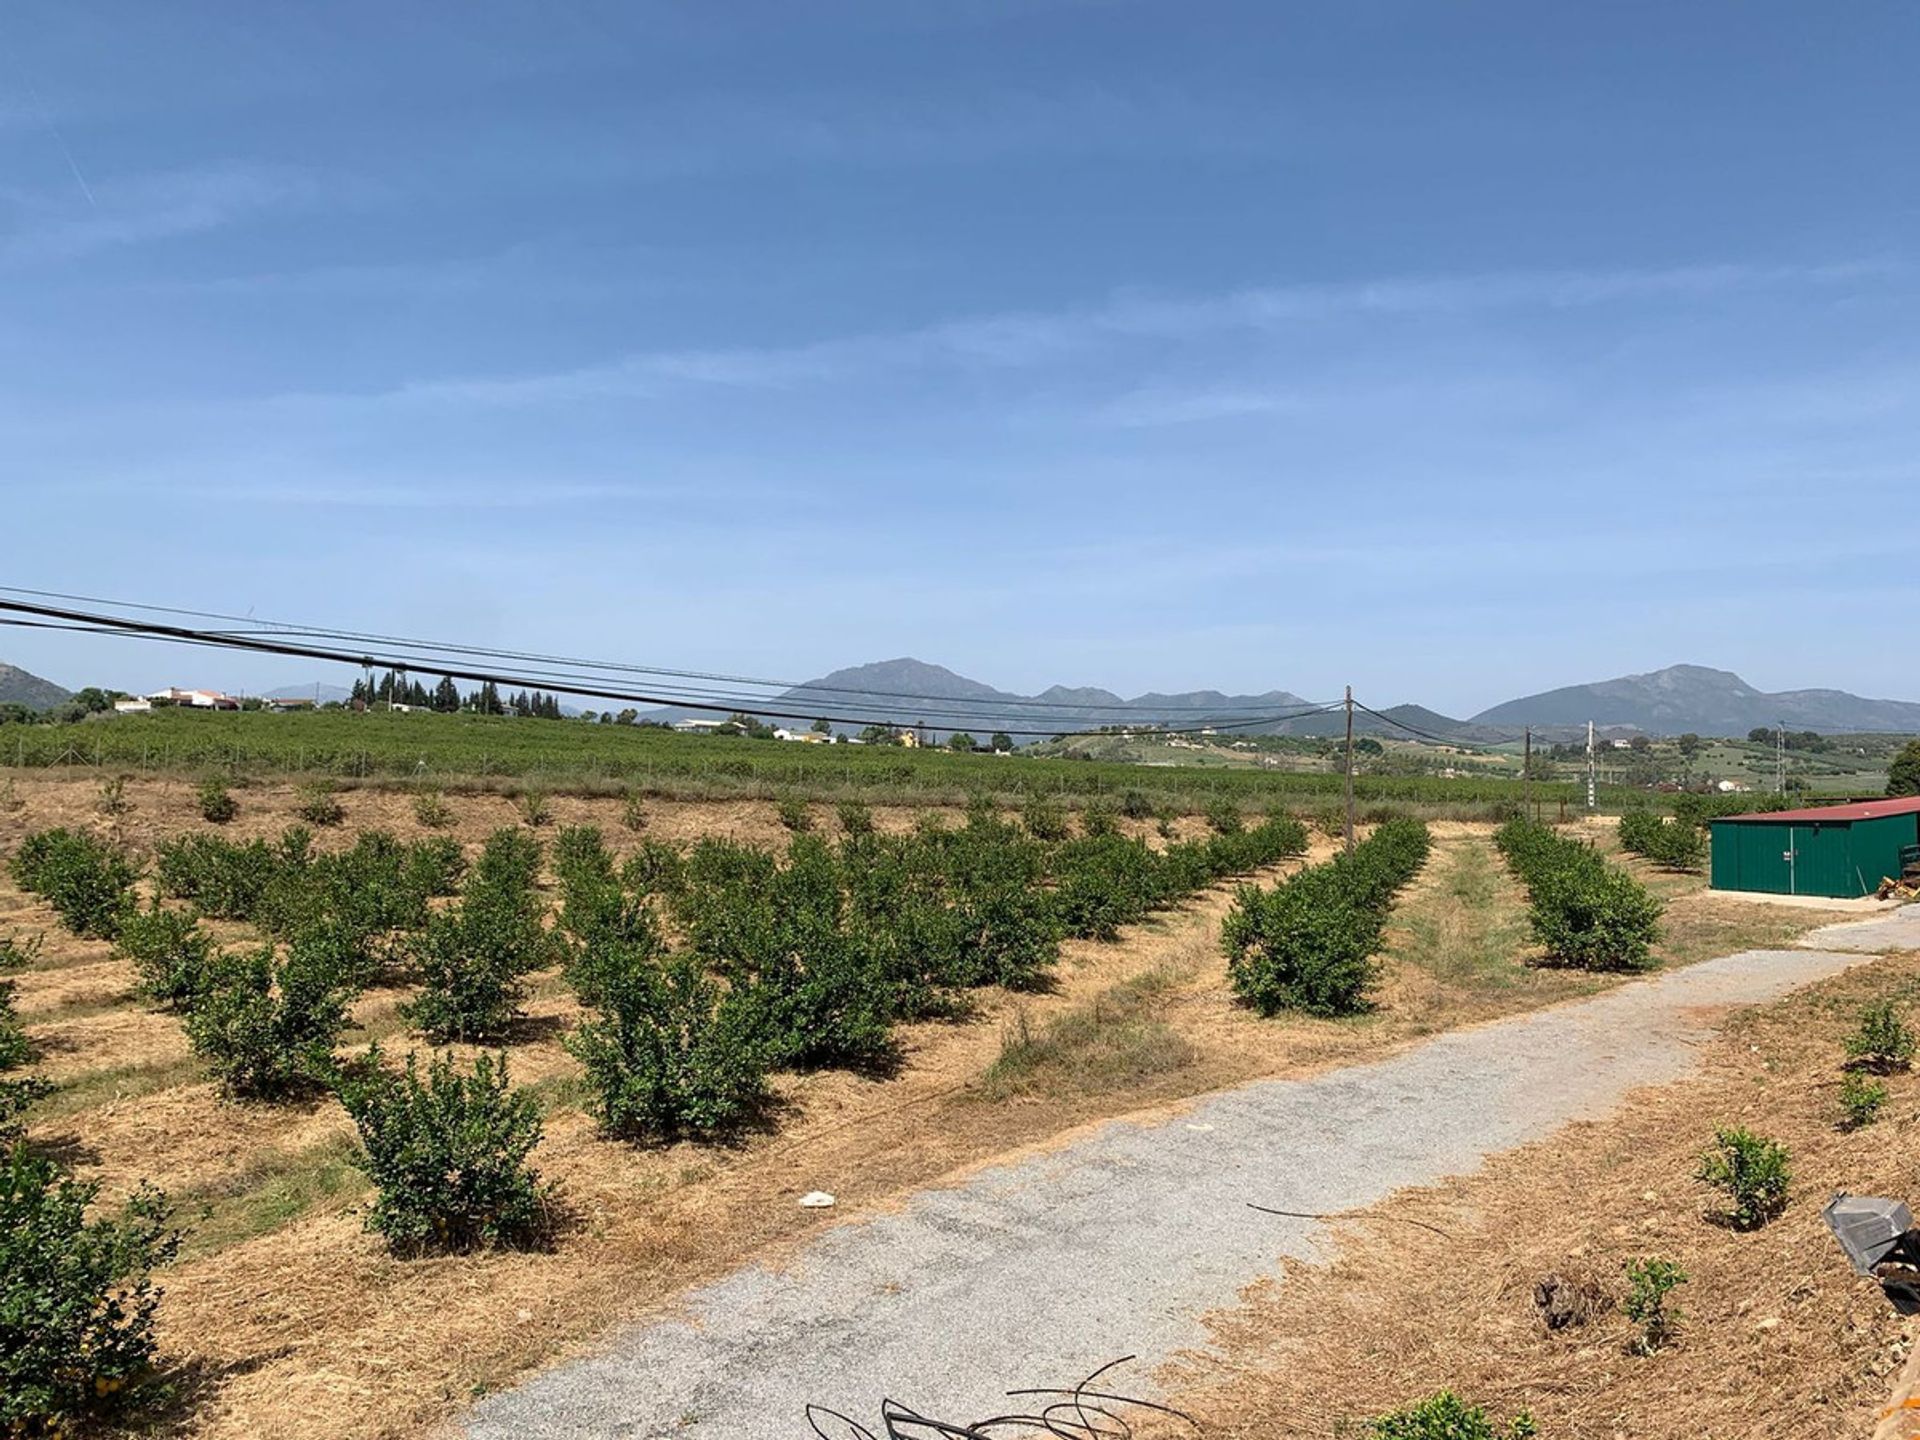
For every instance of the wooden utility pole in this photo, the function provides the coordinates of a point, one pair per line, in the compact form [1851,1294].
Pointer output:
[1349,769]
[1526,775]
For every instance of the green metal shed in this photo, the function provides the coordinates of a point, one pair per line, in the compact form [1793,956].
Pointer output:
[1836,850]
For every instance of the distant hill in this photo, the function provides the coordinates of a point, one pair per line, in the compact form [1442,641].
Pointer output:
[20,687]
[1665,702]
[1684,698]
[906,691]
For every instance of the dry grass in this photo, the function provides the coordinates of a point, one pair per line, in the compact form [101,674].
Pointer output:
[1777,1336]
[306,1328]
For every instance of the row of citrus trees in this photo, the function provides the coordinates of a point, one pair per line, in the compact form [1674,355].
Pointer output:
[1676,844]
[1584,911]
[1308,943]
[701,972]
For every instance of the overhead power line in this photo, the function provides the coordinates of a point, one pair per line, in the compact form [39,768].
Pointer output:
[601,668]
[566,683]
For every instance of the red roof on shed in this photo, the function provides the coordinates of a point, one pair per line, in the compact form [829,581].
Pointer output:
[1865,810]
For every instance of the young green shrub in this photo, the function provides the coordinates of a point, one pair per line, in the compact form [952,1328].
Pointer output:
[1223,815]
[1163,823]
[217,805]
[633,815]
[1585,912]
[1044,819]
[15,1050]
[224,880]
[430,808]
[88,882]
[1446,1416]
[113,796]
[855,817]
[1638,828]
[580,858]
[534,807]
[447,1155]
[1861,1100]
[11,800]
[473,957]
[267,1026]
[1649,1282]
[669,1052]
[1676,845]
[1136,805]
[169,952]
[1882,1042]
[319,805]
[77,1300]
[1308,943]
[783,936]
[1099,818]
[794,814]
[1751,1171]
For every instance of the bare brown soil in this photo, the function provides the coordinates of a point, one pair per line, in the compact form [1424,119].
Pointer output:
[293,1321]
[1777,1337]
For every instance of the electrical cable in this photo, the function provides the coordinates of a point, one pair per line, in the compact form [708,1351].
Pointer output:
[567,684]
[272,627]
[1078,1413]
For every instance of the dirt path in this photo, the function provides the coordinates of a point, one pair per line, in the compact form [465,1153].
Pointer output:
[1037,1271]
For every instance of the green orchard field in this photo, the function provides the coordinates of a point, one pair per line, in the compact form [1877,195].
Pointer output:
[448,750]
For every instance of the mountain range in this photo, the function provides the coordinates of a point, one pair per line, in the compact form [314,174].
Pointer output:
[905,691]
[1672,701]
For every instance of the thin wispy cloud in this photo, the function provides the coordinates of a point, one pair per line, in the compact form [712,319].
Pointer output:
[136,210]
[1024,339]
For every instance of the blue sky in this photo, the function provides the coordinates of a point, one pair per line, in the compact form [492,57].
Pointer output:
[1454,351]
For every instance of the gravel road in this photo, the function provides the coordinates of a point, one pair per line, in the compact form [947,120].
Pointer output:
[1038,1271]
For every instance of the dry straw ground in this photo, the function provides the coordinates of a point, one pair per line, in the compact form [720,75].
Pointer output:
[288,1319]
[1778,1337]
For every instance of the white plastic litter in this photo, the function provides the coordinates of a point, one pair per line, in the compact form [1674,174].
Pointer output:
[816,1200]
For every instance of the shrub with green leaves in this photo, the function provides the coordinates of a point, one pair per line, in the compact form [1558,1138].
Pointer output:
[1861,1099]
[1637,830]
[77,1299]
[1044,818]
[1308,943]
[319,805]
[1446,1416]
[15,1050]
[633,814]
[1882,1042]
[1136,805]
[1676,845]
[217,805]
[447,1154]
[169,952]
[781,935]
[113,796]
[473,956]
[1223,814]
[669,1052]
[855,817]
[1585,912]
[1751,1171]
[223,879]
[1099,818]
[88,882]
[534,807]
[267,1025]
[793,813]
[430,808]
[1649,1282]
